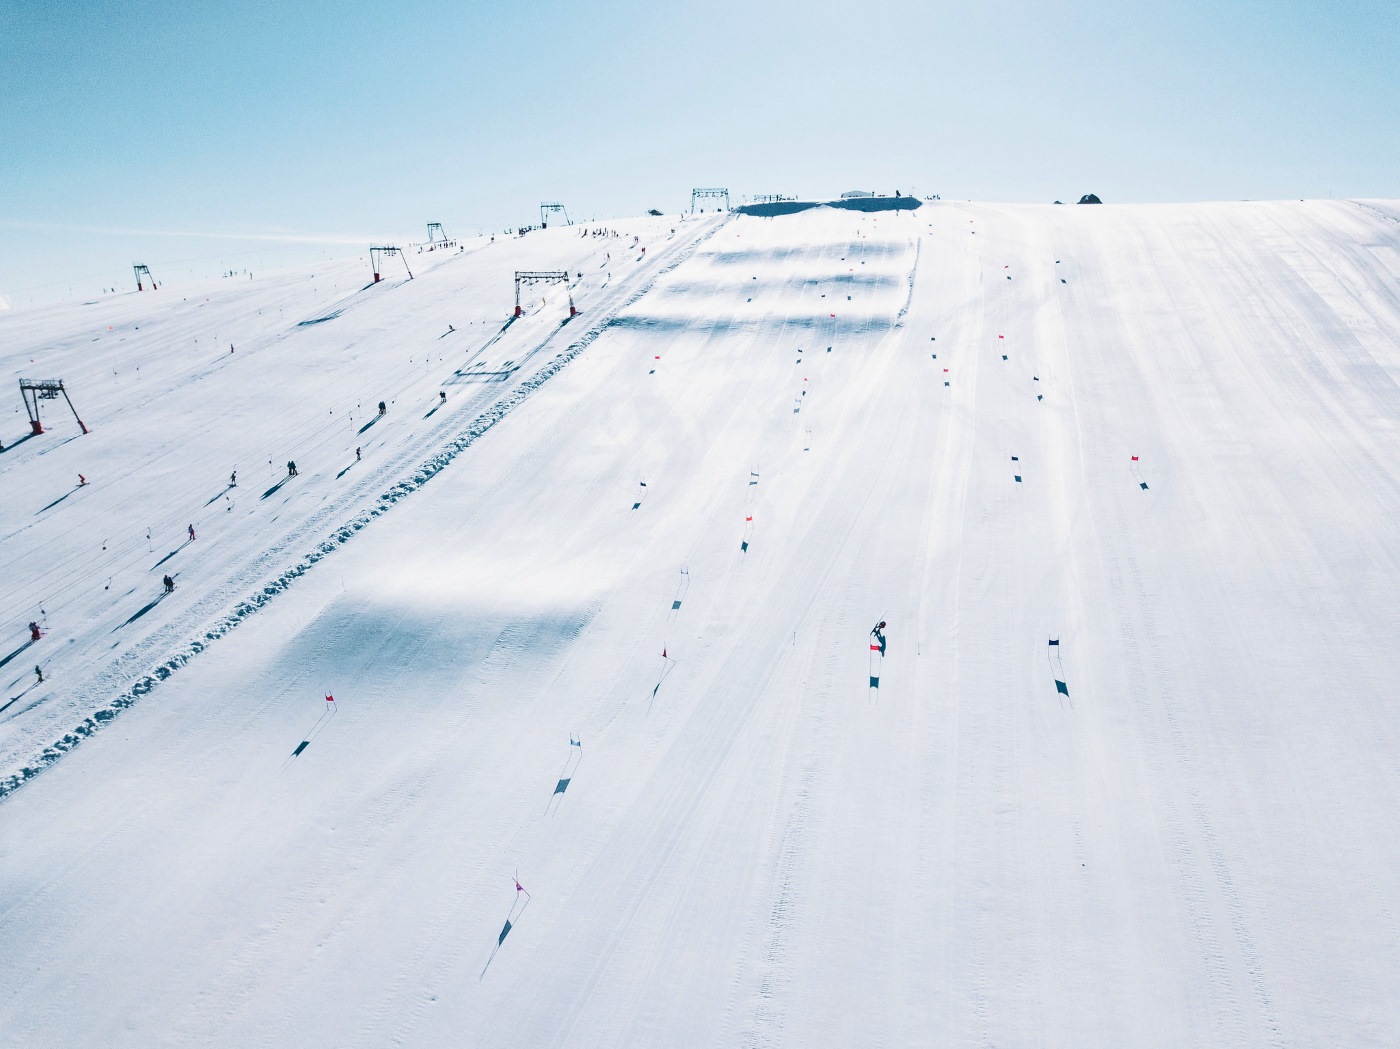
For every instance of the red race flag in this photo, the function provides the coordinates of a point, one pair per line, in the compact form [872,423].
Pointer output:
[1135,458]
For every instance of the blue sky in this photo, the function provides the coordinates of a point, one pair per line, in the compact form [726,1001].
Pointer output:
[199,137]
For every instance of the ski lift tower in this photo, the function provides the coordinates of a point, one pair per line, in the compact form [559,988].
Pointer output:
[378,255]
[711,193]
[35,390]
[528,277]
[143,271]
[435,233]
[549,206]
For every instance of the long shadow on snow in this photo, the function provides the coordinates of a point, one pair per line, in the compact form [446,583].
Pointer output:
[152,604]
[15,444]
[813,322]
[168,556]
[54,503]
[16,698]
[15,653]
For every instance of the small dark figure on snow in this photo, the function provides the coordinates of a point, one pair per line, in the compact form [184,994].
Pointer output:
[382,409]
[291,468]
[878,633]
[39,673]
[443,395]
[233,479]
[192,533]
[34,632]
[82,481]
[169,584]
[357,453]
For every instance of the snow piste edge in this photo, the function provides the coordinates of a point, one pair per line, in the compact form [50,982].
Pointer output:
[479,427]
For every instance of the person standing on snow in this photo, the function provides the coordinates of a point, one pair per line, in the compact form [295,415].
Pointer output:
[39,673]
[192,533]
[169,584]
[34,632]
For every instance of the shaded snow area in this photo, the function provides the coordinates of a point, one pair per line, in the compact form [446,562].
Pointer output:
[614,758]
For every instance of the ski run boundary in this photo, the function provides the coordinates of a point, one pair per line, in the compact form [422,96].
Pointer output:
[338,538]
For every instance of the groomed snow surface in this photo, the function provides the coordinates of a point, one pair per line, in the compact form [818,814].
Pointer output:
[1121,480]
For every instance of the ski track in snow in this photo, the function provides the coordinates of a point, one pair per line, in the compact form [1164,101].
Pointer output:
[1192,847]
[341,535]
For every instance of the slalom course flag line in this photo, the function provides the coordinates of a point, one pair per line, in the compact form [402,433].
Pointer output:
[512,919]
[1057,669]
[877,653]
[681,589]
[667,665]
[1135,470]
[566,774]
[327,712]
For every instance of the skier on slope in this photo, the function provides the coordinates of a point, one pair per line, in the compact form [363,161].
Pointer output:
[192,533]
[34,632]
[878,633]
[39,673]
[169,585]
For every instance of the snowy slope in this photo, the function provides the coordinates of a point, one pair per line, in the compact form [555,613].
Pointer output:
[182,390]
[1191,843]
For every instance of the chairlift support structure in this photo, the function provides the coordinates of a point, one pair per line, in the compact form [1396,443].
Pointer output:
[378,254]
[436,233]
[35,390]
[553,205]
[528,277]
[709,193]
[143,273]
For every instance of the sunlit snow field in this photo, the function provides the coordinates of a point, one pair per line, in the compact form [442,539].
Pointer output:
[1121,480]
